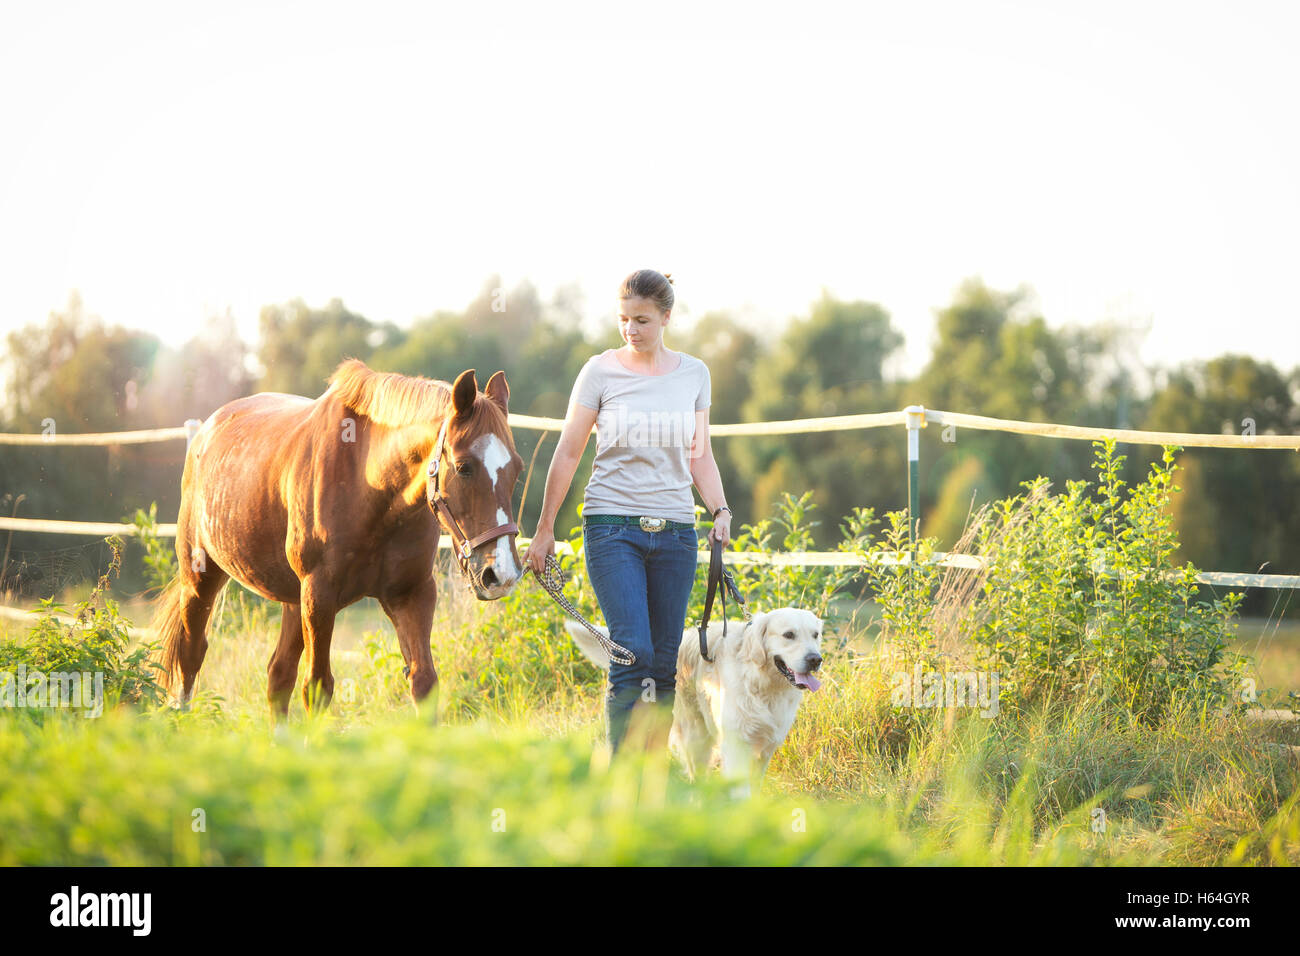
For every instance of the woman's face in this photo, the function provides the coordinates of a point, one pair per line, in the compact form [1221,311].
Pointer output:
[641,324]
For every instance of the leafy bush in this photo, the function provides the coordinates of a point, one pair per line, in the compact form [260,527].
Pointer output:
[1080,599]
[1084,599]
[96,642]
[906,581]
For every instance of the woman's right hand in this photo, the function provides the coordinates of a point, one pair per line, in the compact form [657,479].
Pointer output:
[542,545]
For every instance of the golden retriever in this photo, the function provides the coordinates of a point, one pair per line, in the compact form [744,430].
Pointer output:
[734,712]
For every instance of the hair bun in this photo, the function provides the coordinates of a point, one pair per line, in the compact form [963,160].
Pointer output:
[669,277]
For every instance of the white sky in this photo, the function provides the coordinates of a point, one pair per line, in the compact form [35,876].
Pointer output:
[1127,160]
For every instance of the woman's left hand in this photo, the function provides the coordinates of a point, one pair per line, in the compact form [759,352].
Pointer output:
[721,531]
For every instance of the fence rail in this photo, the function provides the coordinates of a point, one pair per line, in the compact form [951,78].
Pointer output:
[143,437]
[98,529]
[1128,436]
[797,426]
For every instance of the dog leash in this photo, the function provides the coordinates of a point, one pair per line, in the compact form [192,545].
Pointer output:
[553,584]
[720,582]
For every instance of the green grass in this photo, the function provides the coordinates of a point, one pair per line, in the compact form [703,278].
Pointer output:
[371,783]
[127,791]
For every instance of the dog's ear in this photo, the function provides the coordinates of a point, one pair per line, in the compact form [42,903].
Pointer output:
[753,646]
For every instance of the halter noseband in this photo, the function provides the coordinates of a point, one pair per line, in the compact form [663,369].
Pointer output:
[462,545]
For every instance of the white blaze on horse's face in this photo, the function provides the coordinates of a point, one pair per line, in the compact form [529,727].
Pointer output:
[494,454]
[496,457]
[507,567]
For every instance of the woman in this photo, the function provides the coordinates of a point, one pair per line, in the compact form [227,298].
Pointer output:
[650,407]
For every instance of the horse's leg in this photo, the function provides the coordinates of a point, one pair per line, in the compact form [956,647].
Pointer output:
[282,669]
[181,618]
[199,590]
[412,615]
[317,612]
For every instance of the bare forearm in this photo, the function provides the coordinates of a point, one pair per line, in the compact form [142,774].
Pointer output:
[708,481]
[558,479]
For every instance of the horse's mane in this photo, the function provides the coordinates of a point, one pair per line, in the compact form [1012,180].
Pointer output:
[388,398]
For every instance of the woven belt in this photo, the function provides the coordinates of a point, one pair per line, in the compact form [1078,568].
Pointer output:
[645,522]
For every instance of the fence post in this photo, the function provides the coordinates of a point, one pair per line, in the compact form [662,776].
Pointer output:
[915,422]
[192,426]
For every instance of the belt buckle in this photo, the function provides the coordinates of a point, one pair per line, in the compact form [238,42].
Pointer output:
[653,524]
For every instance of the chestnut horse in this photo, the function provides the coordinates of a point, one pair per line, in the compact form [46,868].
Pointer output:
[316,504]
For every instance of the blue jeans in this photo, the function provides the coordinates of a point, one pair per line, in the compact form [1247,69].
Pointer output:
[643,582]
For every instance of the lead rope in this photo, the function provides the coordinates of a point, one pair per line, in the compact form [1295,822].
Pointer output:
[553,584]
[720,582]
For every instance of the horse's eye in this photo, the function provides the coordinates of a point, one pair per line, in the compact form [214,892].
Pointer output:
[789,635]
[465,469]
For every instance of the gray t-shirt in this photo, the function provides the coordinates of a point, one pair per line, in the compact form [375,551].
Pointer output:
[644,428]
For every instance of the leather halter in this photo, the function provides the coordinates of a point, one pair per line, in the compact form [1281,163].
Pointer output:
[462,545]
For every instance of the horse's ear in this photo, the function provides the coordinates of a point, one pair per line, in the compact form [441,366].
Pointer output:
[498,390]
[464,392]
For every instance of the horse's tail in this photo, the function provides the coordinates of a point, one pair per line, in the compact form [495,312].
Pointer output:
[169,627]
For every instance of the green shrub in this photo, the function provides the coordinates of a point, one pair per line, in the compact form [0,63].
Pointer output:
[1082,599]
[96,643]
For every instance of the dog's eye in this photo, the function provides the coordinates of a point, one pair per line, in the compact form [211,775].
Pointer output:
[789,635]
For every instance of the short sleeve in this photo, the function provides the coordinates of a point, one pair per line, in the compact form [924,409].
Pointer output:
[587,387]
[705,397]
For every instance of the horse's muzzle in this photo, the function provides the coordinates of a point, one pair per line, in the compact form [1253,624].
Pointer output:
[489,585]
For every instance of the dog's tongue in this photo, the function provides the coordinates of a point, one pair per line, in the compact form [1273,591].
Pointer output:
[807,682]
